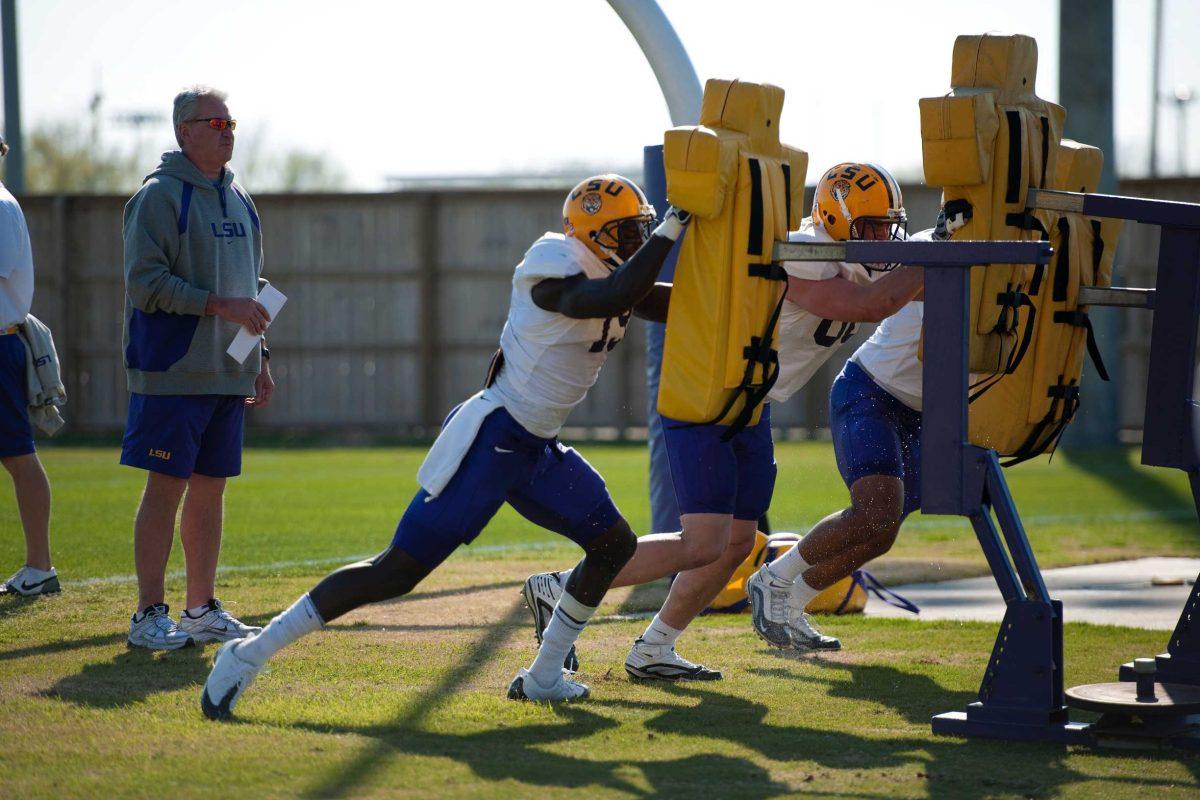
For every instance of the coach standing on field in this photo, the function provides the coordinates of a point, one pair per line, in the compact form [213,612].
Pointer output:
[193,259]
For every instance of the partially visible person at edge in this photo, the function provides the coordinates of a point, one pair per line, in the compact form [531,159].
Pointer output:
[17,452]
[193,260]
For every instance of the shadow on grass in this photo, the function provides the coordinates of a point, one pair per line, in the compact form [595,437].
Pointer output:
[63,645]
[954,767]
[132,676]
[1144,488]
[13,604]
[515,753]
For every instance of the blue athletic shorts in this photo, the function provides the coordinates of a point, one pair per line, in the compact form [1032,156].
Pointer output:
[874,433]
[550,485]
[714,477]
[181,434]
[16,434]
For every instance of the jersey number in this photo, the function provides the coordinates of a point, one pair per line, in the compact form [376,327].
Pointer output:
[605,343]
[825,339]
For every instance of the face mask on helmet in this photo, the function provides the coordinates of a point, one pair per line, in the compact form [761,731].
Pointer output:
[624,236]
[880,229]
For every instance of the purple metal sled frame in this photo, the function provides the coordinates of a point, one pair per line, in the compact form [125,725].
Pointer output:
[1021,696]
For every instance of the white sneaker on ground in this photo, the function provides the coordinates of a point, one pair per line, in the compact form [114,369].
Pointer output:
[805,636]
[769,597]
[215,624]
[28,582]
[660,662]
[230,676]
[541,593]
[526,687]
[155,630]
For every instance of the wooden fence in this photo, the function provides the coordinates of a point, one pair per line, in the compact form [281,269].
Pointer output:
[396,302]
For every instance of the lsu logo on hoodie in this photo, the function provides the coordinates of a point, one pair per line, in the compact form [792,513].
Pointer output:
[228,230]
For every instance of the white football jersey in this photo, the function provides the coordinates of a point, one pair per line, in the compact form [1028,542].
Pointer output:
[804,340]
[551,360]
[890,355]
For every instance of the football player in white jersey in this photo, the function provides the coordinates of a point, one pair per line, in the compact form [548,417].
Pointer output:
[875,419]
[853,201]
[572,297]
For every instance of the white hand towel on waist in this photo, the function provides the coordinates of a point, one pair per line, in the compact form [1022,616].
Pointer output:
[456,438]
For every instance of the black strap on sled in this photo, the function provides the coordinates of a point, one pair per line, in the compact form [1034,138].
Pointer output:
[1046,435]
[1080,319]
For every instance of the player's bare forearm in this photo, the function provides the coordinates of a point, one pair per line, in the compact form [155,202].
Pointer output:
[896,289]
[846,301]
[654,306]
[618,292]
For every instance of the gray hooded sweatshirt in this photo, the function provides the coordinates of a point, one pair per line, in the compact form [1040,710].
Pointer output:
[184,239]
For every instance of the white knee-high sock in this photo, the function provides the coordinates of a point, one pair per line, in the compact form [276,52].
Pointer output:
[802,593]
[659,632]
[299,620]
[569,618]
[790,565]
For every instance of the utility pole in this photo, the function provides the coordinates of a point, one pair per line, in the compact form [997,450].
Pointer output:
[1182,96]
[14,167]
[1085,89]
[1156,56]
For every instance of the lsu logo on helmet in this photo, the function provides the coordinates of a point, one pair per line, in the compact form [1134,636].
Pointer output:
[610,215]
[850,197]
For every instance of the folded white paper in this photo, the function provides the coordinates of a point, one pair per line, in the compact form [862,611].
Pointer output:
[245,341]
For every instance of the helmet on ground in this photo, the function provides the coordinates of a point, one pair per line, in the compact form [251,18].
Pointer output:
[859,201]
[610,215]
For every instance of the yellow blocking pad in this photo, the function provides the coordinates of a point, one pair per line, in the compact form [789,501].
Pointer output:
[986,144]
[1023,413]
[745,190]
[733,597]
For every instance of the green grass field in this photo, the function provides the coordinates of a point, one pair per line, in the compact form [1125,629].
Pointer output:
[406,698]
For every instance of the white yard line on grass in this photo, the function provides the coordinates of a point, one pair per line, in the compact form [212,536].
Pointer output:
[497,549]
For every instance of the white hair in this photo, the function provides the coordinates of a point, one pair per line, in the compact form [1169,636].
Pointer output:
[186,102]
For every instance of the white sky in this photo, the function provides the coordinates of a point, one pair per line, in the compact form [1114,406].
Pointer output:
[471,86]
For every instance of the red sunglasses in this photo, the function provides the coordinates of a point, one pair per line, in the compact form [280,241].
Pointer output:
[218,123]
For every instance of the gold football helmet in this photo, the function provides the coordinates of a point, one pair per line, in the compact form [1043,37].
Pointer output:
[610,215]
[859,201]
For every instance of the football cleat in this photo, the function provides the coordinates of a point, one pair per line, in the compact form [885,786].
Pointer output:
[156,630]
[610,215]
[769,597]
[230,676]
[541,593]
[660,662]
[215,624]
[30,582]
[526,687]
[805,636]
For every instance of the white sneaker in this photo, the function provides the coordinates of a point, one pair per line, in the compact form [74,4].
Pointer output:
[28,582]
[660,662]
[215,624]
[541,593]
[769,597]
[155,630]
[230,676]
[526,687]
[805,635]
